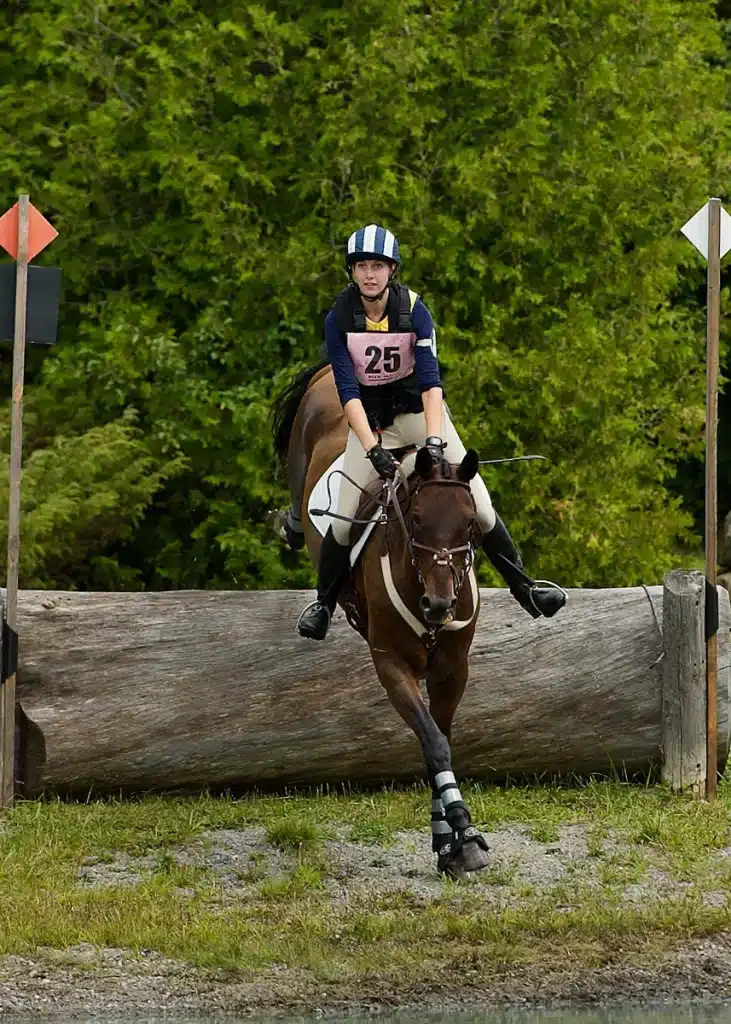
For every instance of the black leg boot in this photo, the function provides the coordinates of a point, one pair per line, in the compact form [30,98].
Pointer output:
[499,547]
[332,569]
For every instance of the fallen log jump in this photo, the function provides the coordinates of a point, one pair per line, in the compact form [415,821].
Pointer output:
[180,690]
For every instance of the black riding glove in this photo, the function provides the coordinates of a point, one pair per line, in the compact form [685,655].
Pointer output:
[383,462]
[436,447]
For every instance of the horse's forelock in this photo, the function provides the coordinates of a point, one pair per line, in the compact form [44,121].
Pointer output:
[439,502]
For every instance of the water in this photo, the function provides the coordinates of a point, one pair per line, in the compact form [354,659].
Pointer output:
[696,1014]
[687,1015]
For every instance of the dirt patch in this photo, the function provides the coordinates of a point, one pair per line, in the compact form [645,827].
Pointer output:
[240,859]
[237,858]
[87,981]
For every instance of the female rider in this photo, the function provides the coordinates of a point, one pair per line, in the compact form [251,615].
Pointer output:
[381,345]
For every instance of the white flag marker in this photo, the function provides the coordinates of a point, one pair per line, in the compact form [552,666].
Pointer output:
[696,231]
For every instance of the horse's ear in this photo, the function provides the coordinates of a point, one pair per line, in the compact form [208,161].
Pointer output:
[424,463]
[468,466]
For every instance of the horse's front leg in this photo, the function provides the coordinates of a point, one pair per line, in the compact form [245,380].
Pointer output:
[460,852]
[445,692]
[445,686]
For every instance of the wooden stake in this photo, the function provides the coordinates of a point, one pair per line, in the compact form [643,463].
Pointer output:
[684,725]
[712,338]
[7,737]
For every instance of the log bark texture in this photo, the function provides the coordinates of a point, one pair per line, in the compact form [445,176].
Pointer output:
[131,692]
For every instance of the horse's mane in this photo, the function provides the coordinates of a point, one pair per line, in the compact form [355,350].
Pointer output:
[285,407]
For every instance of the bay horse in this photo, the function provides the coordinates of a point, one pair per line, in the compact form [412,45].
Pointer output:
[426,538]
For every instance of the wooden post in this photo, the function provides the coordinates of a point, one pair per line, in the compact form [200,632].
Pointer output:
[7,760]
[684,683]
[713,315]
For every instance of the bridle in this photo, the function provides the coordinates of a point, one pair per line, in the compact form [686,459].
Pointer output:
[440,556]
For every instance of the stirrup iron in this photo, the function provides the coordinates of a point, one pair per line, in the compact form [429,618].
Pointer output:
[320,633]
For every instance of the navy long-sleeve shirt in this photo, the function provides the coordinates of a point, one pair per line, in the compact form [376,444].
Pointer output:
[426,367]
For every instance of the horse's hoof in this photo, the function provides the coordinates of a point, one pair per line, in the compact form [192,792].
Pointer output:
[472,857]
[454,871]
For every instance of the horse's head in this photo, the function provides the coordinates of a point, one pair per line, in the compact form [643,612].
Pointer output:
[444,532]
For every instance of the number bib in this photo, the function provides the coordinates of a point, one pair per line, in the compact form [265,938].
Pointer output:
[380,358]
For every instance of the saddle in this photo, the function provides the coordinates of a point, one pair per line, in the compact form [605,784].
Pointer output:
[368,506]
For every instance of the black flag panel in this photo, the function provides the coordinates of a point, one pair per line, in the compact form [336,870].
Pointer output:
[44,293]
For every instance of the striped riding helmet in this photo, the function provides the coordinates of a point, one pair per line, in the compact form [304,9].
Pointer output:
[372,243]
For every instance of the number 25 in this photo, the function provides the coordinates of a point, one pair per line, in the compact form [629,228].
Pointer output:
[391,359]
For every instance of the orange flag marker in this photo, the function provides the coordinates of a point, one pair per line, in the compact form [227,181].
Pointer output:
[40,231]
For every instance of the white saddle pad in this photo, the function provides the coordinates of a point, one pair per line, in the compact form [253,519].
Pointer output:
[319,499]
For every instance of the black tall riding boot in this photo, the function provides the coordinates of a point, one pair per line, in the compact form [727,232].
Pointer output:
[332,569]
[499,547]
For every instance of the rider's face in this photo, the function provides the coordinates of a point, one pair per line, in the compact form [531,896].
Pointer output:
[371,276]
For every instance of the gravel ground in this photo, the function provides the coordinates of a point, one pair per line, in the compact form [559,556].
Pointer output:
[87,982]
[241,858]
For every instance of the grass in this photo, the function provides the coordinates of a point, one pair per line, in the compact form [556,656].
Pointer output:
[545,833]
[304,878]
[294,918]
[296,833]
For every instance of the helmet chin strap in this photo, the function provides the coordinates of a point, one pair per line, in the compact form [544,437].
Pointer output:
[373,298]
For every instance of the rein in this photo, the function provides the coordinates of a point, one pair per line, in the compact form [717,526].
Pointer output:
[389,498]
[440,556]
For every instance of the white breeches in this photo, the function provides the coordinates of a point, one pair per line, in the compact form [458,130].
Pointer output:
[406,429]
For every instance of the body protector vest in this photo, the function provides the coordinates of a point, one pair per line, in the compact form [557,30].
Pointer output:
[382,357]
[383,361]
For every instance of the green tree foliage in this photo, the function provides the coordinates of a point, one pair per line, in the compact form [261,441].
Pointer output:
[204,163]
[80,494]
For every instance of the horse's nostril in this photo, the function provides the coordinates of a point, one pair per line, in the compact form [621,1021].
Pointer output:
[437,608]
